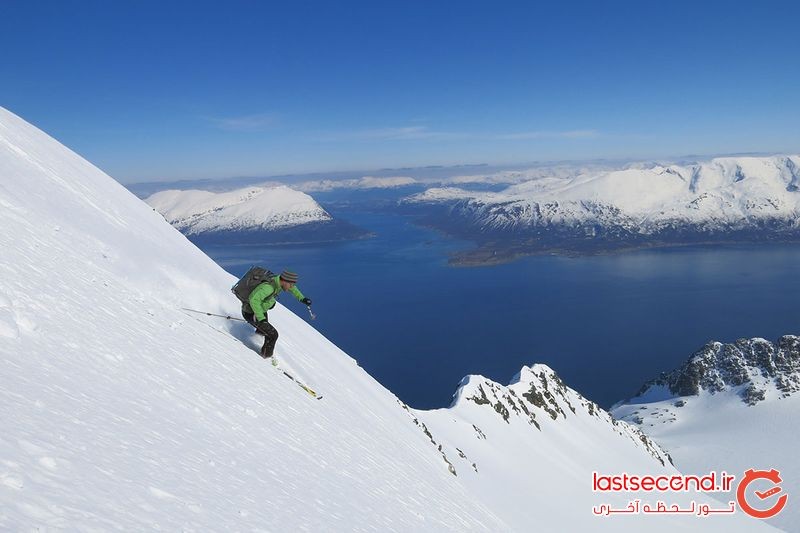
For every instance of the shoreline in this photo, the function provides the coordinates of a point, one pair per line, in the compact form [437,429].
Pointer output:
[489,255]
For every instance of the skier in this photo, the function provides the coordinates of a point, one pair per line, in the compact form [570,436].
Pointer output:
[262,299]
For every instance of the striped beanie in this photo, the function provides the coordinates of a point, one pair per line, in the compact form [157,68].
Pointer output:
[289,276]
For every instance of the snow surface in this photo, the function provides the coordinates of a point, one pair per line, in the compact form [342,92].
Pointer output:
[251,208]
[120,411]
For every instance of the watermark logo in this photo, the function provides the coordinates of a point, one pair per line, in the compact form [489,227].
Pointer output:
[774,477]
[758,493]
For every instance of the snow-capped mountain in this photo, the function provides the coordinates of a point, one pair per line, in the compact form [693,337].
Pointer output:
[542,428]
[729,407]
[263,214]
[122,410]
[248,209]
[642,204]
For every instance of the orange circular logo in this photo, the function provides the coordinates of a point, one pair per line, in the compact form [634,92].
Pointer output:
[754,475]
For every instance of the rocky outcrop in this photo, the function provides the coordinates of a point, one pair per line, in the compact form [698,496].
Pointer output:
[538,397]
[753,367]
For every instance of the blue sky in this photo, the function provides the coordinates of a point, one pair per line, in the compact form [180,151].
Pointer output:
[169,90]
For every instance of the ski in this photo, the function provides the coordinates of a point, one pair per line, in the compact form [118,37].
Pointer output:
[312,392]
[300,384]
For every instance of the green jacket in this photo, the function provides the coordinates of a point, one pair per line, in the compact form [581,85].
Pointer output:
[263,297]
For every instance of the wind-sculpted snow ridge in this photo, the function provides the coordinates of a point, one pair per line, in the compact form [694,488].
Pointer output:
[640,204]
[248,209]
[124,412]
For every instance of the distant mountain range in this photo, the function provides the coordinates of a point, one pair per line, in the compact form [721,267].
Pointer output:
[365,182]
[736,198]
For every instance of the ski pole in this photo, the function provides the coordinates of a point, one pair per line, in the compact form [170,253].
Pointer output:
[226,317]
[310,312]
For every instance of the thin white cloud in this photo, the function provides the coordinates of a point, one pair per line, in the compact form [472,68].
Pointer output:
[386,134]
[424,133]
[570,134]
[254,122]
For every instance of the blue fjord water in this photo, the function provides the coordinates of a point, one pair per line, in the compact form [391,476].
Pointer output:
[604,323]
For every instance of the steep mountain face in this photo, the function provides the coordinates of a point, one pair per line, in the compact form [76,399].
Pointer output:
[725,198]
[730,407]
[126,412]
[252,215]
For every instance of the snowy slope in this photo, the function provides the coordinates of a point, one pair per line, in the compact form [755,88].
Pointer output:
[719,196]
[251,208]
[730,407]
[122,412]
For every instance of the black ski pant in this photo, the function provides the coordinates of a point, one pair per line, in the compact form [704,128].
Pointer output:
[263,328]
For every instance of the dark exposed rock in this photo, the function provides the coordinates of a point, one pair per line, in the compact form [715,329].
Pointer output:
[752,395]
[749,364]
[501,408]
[543,398]
[482,399]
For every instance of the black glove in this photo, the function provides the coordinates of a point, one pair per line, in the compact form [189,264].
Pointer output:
[306,301]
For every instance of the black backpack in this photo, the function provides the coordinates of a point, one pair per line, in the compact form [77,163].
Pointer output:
[252,279]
